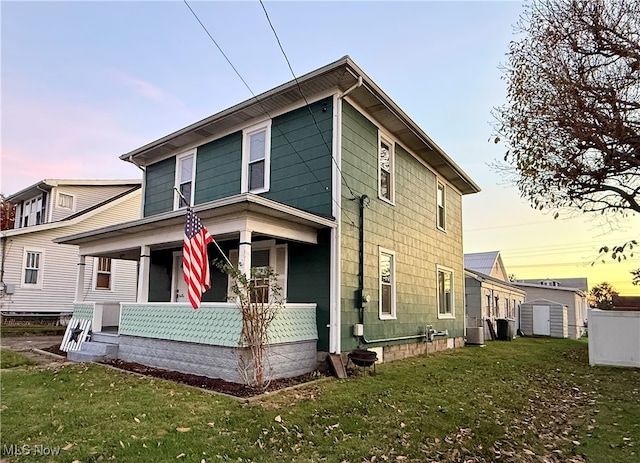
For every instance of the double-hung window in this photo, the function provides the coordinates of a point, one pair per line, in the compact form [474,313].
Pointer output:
[387,280]
[185,179]
[385,169]
[32,270]
[103,273]
[445,293]
[441,207]
[256,158]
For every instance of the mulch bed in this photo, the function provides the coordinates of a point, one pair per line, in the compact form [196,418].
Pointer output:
[211,384]
[55,350]
[204,382]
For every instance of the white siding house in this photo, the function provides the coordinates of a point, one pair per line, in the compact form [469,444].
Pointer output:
[38,275]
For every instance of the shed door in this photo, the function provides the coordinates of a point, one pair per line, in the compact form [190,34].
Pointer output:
[541,320]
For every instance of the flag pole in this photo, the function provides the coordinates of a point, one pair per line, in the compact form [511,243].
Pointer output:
[214,241]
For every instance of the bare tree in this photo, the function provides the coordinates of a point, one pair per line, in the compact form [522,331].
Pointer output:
[259,299]
[572,118]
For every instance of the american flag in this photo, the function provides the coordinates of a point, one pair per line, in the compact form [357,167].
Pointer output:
[194,258]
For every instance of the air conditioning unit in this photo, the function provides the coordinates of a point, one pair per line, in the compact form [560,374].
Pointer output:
[475,335]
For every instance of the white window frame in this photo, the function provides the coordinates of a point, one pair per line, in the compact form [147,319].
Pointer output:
[179,181]
[441,226]
[392,254]
[73,201]
[40,268]
[246,146]
[35,208]
[392,168]
[96,270]
[441,269]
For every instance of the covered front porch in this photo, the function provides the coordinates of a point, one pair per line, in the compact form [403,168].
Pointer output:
[161,329]
[206,341]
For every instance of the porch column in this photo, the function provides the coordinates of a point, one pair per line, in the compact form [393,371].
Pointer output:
[244,253]
[80,279]
[143,274]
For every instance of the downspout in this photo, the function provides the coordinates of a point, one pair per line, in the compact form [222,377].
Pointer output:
[144,183]
[360,299]
[4,254]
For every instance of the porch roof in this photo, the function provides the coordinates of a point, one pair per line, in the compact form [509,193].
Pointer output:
[224,218]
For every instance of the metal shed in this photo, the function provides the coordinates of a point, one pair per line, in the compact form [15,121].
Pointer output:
[542,317]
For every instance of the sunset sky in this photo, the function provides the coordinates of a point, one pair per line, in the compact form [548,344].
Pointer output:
[84,82]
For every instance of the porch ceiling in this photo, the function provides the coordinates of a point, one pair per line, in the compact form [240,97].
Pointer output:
[223,218]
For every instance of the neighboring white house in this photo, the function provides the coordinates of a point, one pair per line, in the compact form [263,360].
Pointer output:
[38,276]
[557,290]
[489,295]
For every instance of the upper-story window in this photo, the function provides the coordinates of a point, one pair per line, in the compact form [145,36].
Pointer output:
[32,212]
[65,200]
[256,158]
[386,160]
[387,289]
[441,200]
[185,179]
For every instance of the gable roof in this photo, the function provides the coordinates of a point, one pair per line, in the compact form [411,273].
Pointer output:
[482,262]
[340,76]
[48,184]
[489,263]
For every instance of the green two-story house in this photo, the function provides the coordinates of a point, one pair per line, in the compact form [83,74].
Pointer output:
[329,182]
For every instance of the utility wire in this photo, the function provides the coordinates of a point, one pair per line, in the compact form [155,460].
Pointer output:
[268,114]
[295,78]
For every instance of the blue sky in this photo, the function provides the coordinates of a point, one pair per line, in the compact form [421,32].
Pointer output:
[84,82]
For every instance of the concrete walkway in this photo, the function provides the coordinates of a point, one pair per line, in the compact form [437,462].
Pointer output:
[31,347]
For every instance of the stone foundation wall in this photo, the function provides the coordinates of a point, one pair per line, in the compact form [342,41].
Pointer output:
[283,360]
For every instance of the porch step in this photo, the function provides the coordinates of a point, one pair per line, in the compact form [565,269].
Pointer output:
[92,351]
[85,357]
[106,338]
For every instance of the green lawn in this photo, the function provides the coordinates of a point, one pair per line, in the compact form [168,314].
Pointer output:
[524,400]
[11,359]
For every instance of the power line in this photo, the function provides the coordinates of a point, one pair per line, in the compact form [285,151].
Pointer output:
[295,78]
[269,115]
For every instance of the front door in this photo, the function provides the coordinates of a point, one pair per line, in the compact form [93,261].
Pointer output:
[178,285]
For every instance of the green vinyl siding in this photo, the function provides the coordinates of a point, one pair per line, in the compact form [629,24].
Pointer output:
[408,228]
[218,169]
[159,182]
[301,158]
[309,280]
